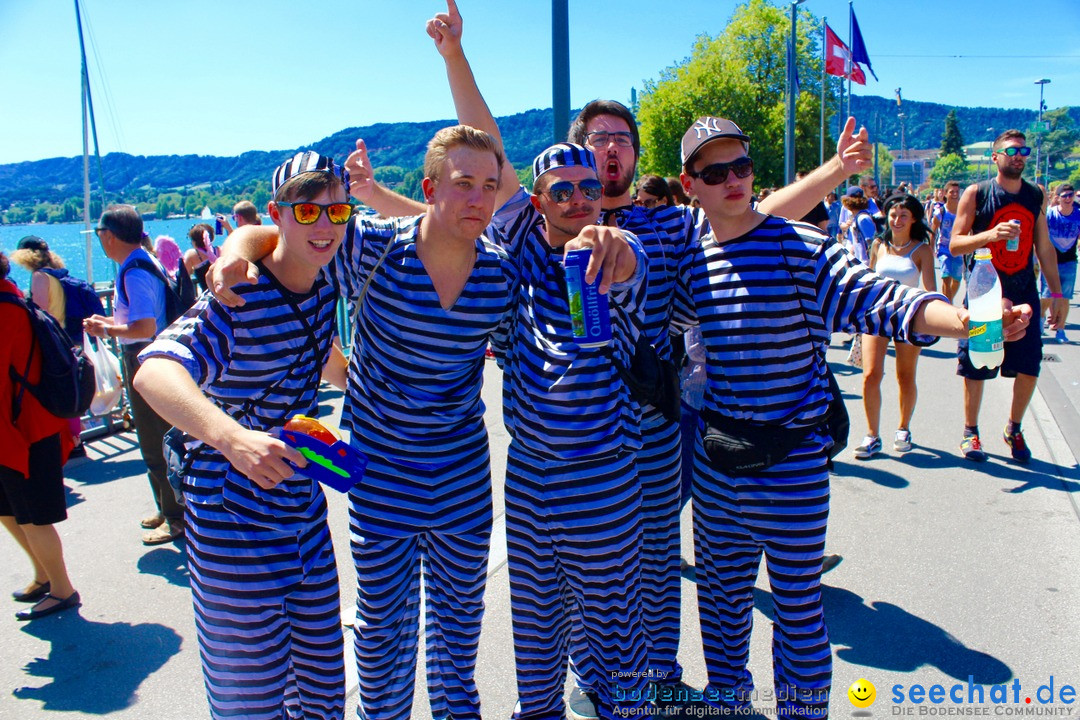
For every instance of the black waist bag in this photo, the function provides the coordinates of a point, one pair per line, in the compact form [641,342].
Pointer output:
[653,380]
[741,447]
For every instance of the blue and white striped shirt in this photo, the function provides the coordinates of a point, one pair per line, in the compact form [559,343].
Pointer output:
[416,369]
[258,364]
[562,401]
[766,303]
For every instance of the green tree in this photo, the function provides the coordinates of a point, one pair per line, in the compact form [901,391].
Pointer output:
[741,75]
[1063,136]
[950,167]
[390,175]
[952,142]
[164,208]
[525,177]
[885,163]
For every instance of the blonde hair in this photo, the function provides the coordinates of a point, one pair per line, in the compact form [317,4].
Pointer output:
[457,136]
[34,260]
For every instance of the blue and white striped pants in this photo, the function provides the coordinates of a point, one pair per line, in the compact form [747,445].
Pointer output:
[402,517]
[659,469]
[573,533]
[782,513]
[267,615]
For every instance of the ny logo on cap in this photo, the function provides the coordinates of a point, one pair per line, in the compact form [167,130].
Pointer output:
[709,126]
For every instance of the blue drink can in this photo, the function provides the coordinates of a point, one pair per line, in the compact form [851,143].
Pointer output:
[589,312]
[218,229]
[1013,243]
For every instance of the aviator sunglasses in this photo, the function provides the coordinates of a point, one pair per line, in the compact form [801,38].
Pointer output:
[307,213]
[562,191]
[717,172]
[1013,151]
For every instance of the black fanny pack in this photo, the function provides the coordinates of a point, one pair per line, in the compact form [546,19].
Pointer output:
[653,380]
[741,447]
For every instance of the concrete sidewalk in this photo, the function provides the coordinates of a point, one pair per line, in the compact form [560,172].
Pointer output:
[950,570]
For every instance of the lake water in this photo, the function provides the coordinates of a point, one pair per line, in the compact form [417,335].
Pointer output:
[69,242]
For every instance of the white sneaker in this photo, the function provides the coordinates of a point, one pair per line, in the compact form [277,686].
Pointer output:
[870,447]
[902,441]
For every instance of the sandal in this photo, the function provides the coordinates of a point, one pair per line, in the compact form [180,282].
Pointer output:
[42,609]
[34,595]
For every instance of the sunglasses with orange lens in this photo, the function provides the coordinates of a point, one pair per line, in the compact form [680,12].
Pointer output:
[307,213]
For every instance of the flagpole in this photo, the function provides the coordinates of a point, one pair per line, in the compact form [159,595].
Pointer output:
[851,59]
[824,76]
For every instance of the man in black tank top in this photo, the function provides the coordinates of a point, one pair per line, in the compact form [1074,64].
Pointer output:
[1006,215]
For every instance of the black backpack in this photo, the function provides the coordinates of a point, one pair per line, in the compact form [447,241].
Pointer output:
[67,382]
[179,293]
[80,302]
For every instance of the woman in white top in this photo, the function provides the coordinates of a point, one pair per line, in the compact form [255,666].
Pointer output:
[902,253]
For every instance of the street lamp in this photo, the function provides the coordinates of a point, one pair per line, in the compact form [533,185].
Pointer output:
[789,125]
[1038,127]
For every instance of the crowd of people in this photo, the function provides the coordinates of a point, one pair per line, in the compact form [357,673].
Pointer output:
[700,273]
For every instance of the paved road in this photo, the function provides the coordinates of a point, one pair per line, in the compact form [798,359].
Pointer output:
[951,570]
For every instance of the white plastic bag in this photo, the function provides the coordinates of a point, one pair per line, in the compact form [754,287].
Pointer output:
[106,375]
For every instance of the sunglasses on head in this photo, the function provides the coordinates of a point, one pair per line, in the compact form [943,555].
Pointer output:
[562,191]
[717,172]
[1023,151]
[307,213]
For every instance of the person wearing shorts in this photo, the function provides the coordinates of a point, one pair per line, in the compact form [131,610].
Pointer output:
[1006,215]
[34,445]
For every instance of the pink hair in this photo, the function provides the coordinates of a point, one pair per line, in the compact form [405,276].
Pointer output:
[168,252]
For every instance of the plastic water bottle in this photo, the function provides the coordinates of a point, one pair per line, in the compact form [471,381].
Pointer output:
[986,348]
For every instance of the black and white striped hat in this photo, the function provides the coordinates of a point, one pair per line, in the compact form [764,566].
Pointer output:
[305,162]
[563,155]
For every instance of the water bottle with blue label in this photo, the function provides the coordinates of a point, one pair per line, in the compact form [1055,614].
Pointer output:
[986,346]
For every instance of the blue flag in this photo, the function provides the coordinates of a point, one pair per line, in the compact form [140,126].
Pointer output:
[858,47]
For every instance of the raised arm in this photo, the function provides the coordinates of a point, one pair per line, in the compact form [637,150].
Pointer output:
[445,30]
[172,392]
[363,187]
[854,153]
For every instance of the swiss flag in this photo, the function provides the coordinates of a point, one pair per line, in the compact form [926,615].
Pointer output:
[838,59]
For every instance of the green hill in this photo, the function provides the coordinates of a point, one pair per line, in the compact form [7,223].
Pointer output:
[136,178]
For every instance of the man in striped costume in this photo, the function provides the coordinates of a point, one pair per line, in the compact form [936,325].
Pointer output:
[573,500]
[428,292]
[766,293]
[263,577]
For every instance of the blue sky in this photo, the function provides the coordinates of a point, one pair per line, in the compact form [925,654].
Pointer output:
[223,77]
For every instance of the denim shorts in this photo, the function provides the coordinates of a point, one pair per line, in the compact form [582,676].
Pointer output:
[952,266]
[1067,273]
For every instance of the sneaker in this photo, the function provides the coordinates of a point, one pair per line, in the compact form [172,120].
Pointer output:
[902,441]
[582,704]
[1016,443]
[1059,336]
[971,448]
[871,446]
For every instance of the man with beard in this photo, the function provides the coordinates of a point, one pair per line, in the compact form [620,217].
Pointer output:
[1006,215]
[609,129]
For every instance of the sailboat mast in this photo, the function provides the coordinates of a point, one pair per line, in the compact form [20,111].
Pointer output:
[86,152]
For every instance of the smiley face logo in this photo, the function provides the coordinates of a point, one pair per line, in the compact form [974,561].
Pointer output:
[862,693]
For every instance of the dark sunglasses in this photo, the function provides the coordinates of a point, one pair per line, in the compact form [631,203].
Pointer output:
[1014,151]
[717,172]
[306,213]
[562,191]
[1066,196]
